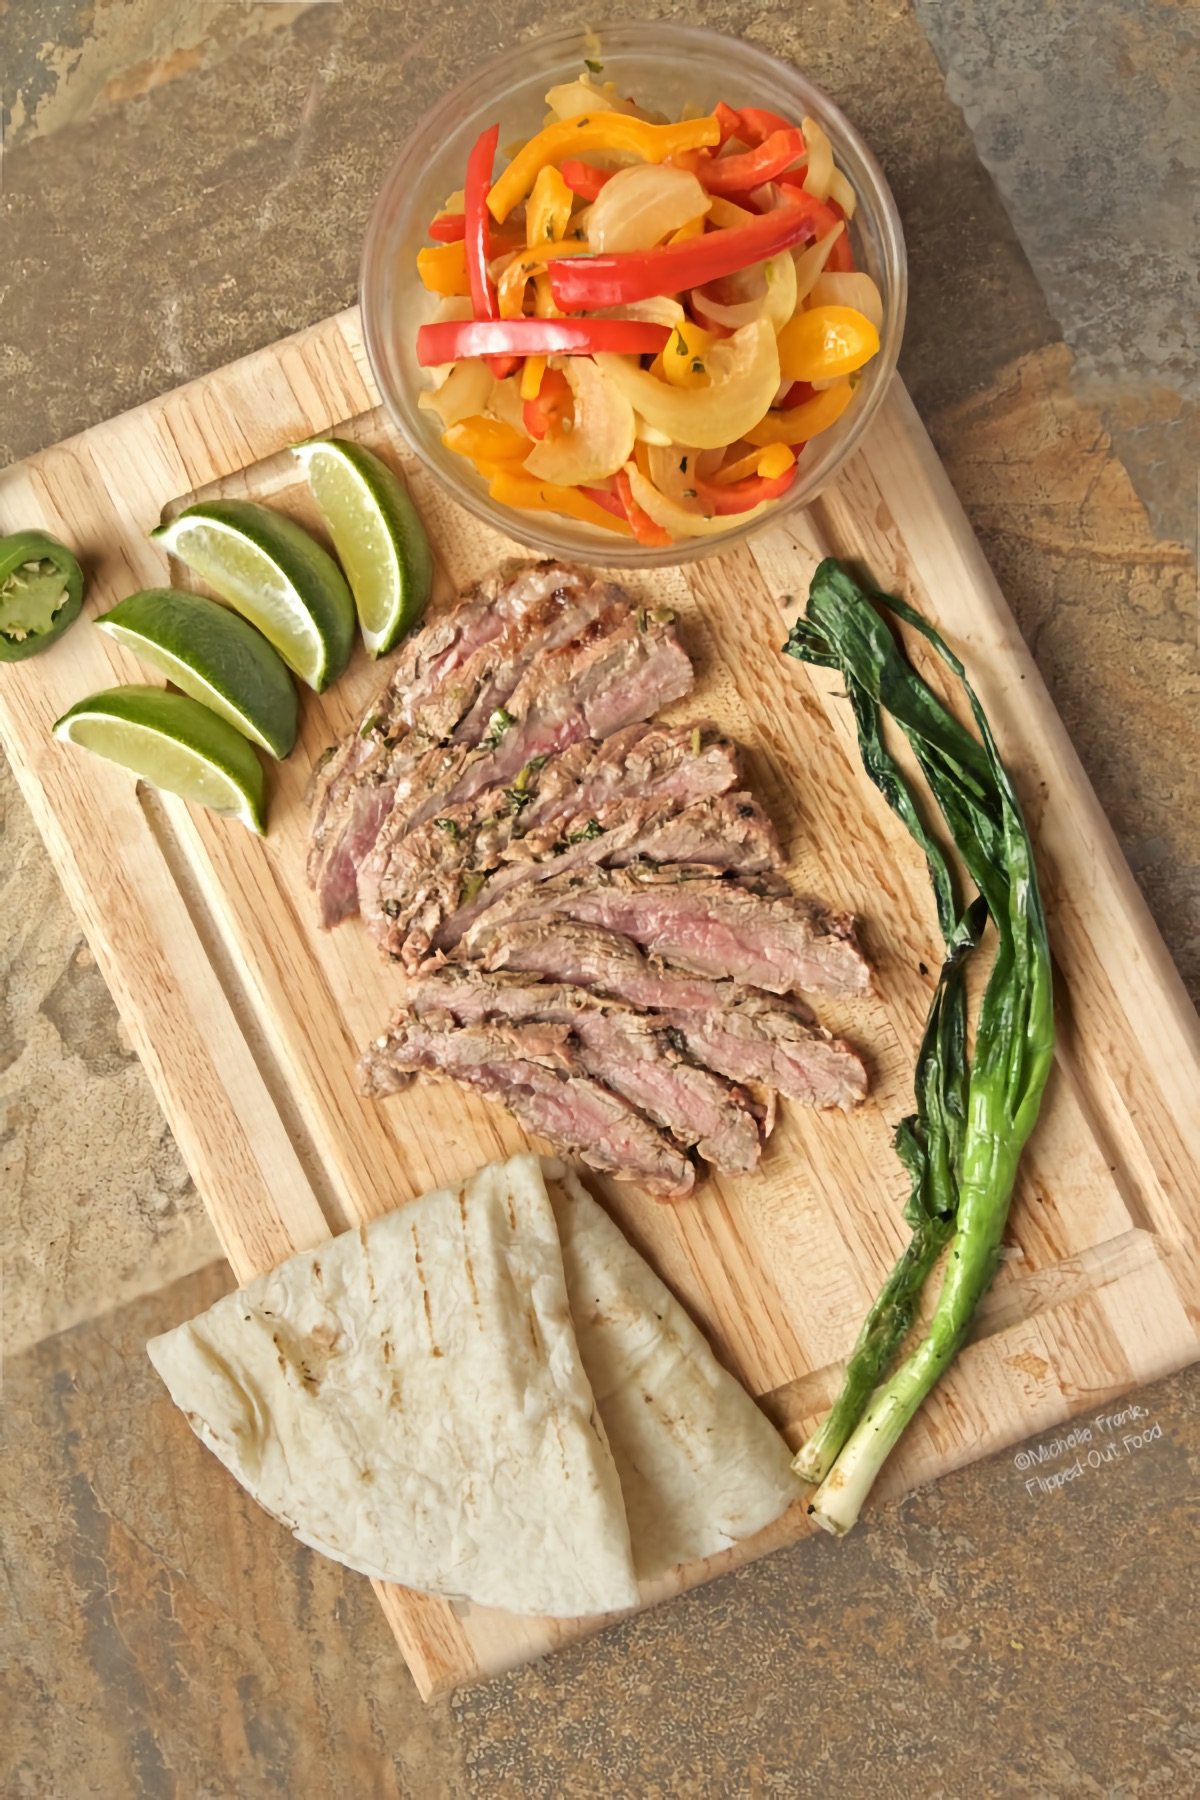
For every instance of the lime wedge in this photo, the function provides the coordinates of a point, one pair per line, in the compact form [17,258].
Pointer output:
[171,742]
[377,533]
[213,655]
[275,575]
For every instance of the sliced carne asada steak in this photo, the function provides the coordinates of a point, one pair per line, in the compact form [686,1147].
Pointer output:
[727,832]
[466,855]
[451,677]
[712,926]
[532,1070]
[635,1055]
[744,1034]
[615,671]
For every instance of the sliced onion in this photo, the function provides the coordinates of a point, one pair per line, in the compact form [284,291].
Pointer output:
[504,402]
[820,160]
[659,309]
[841,191]
[641,205]
[811,262]
[676,484]
[774,297]
[780,304]
[650,434]
[676,518]
[601,439]
[570,99]
[855,290]
[744,371]
[463,393]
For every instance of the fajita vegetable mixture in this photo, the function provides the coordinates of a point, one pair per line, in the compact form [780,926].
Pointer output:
[641,323]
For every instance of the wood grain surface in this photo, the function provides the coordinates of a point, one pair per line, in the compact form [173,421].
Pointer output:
[249,1019]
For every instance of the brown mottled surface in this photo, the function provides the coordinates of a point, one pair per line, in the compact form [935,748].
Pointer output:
[183,182]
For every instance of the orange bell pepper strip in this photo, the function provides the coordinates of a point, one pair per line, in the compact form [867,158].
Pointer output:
[799,423]
[594,131]
[443,268]
[824,342]
[487,441]
[516,487]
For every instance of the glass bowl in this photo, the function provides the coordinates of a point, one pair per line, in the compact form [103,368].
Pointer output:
[669,68]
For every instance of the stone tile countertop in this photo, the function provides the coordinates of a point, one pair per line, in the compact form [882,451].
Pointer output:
[183,181]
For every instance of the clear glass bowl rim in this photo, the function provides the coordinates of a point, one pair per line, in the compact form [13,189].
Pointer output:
[653,42]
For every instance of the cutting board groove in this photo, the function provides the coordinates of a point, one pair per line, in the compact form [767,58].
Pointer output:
[249,1020]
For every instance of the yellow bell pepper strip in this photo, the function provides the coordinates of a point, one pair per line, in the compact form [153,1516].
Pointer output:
[594,131]
[727,214]
[486,441]
[800,423]
[584,282]
[512,487]
[683,363]
[825,342]
[774,459]
[548,209]
[449,340]
[693,229]
[510,289]
[533,371]
[443,268]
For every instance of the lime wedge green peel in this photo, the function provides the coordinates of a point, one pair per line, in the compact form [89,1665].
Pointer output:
[213,655]
[174,743]
[269,569]
[377,533]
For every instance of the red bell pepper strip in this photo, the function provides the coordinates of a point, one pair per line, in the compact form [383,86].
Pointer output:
[823,216]
[580,283]
[796,394]
[644,528]
[740,496]
[583,178]
[553,403]
[742,174]
[477,235]
[841,256]
[452,339]
[448,228]
[476,222]
[610,502]
[757,123]
[730,123]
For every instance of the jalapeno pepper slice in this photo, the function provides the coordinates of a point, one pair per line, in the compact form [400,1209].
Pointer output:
[41,592]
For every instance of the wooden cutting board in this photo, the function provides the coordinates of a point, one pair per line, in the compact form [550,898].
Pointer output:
[249,1019]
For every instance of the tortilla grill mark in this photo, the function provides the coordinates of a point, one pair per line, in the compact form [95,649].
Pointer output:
[468,1265]
[434,1346]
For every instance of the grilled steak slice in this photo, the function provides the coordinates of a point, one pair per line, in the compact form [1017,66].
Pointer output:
[451,677]
[728,831]
[744,1035]
[618,672]
[634,1055]
[532,1070]
[716,927]
[439,866]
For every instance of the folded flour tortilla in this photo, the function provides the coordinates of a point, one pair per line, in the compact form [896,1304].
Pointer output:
[486,1394]
[700,1465]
